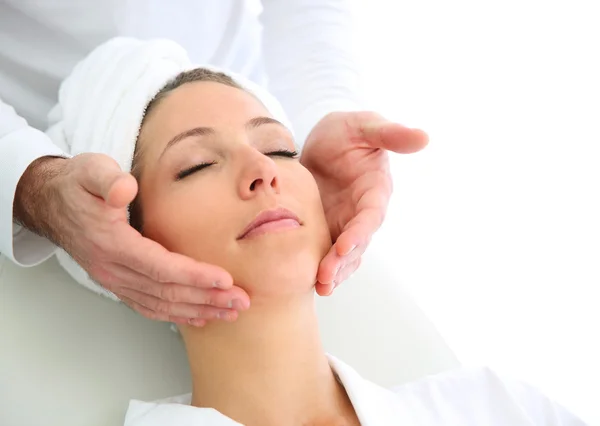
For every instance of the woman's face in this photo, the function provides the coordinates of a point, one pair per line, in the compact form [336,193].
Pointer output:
[203,211]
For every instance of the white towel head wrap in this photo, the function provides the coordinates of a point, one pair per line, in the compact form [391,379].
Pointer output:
[102,103]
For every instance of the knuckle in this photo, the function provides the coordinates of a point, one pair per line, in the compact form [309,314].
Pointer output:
[204,313]
[145,287]
[153,273]
[79,161]
[163,308]
[168,293]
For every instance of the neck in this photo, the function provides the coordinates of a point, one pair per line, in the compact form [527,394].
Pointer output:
[269,367]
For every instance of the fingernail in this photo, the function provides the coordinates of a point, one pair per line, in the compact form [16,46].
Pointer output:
[196,322]
[238,305]
[216,284]
[224,315]
[350,250]
[333,284]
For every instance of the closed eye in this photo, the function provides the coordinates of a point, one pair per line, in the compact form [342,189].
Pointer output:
[196,168]
[184,173]
[282,153]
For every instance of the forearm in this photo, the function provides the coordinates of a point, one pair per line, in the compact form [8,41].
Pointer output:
[309,57]
[34,194]
[20,146]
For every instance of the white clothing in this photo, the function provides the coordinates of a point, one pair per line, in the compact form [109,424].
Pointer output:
[301,48]
[462,397]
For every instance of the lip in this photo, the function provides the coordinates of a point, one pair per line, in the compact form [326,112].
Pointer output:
[268,216]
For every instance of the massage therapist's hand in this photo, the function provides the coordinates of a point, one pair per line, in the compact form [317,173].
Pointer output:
[81,205]
[347,154]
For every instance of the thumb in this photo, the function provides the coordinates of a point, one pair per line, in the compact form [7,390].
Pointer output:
[122,191]
[104,178]
[394,137]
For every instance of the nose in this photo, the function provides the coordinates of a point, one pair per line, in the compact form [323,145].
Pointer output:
[259,176]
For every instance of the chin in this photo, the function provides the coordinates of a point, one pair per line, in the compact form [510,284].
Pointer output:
[286,269]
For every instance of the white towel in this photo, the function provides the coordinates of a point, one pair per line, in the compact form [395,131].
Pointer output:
[102,102]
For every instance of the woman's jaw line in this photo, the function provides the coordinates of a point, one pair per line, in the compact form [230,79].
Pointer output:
[262,308]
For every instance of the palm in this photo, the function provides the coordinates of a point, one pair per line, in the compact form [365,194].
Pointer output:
[347,155]
[345,180]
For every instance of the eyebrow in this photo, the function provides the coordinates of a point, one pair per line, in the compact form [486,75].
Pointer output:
[209,131]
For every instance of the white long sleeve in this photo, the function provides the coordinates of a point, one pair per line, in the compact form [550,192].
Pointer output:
[20,144]
[309,59]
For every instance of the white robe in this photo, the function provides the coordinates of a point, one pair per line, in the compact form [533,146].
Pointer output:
[465,397]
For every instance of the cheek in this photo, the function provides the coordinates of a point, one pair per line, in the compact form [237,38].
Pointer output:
[304,187]
[192,220]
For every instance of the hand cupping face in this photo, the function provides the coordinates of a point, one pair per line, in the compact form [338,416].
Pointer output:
[347,154]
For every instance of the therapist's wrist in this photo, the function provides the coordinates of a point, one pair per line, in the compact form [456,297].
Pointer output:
[34,196]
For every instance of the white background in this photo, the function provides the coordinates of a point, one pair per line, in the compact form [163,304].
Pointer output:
[495,227]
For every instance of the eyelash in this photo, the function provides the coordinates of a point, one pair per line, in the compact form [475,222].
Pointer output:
[279,153]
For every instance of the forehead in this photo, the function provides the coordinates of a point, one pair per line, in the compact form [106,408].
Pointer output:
[207,104]
[198,104]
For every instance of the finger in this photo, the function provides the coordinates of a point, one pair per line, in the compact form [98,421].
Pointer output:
[197,322]
[100,173]
[358,232]
[329,266]
[346,271]
[324,289]
[394,137]
[142,310]
[371,208]
[343,274]
[122,191]
[136,307]
[158,264]
[334,262]
[184,321]
[355,239]
[235,297]
[179,320]
[161,309]
[353,235]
